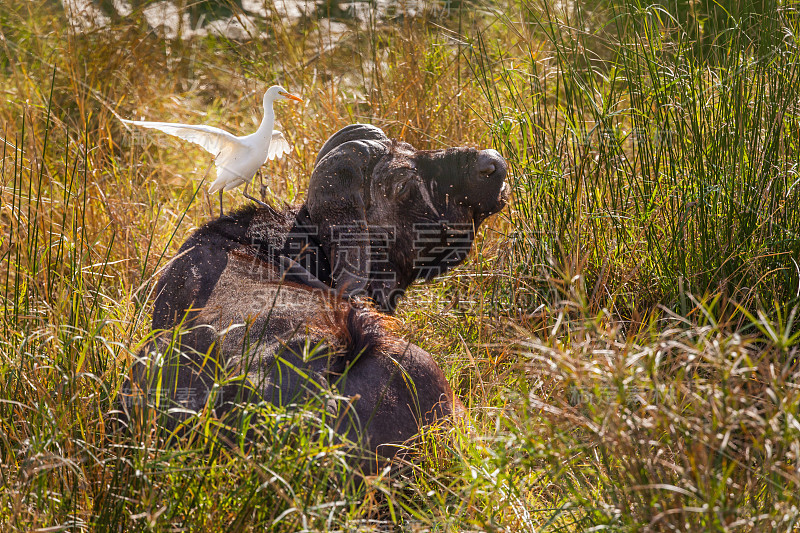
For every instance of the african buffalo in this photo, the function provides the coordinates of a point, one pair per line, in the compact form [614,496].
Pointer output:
[273,306]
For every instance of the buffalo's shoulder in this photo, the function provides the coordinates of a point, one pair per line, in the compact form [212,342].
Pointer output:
[190,277]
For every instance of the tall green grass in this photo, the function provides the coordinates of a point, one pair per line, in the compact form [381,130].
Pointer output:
[654,166]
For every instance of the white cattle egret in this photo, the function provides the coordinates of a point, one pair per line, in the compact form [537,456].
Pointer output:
[237,158]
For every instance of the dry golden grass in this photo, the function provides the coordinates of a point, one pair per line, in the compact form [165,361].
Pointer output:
[602,393]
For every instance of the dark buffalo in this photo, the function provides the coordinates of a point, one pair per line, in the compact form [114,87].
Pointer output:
[271,306]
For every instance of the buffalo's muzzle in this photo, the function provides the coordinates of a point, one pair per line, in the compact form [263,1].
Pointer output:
[491,193]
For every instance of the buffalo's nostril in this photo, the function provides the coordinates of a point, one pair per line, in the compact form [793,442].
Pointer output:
[491,164]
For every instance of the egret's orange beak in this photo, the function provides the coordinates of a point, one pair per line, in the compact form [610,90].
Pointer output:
[291,96]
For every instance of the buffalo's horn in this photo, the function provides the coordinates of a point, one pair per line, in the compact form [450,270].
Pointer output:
[338,201]
[353,132]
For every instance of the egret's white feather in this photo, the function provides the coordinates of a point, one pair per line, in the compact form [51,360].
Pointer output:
[237,159]
[211,139]
[277,146]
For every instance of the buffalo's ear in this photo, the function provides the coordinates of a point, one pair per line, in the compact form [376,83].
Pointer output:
[338,199]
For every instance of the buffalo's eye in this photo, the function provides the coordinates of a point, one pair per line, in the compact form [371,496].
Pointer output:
[402,189]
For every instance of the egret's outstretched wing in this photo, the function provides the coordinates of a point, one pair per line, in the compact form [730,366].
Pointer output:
[277,146]
[211,139]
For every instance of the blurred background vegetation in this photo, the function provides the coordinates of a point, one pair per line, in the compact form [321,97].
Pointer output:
[624,333]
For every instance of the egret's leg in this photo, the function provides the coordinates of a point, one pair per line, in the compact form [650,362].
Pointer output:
[259,202]
[220,203]
[208,168]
